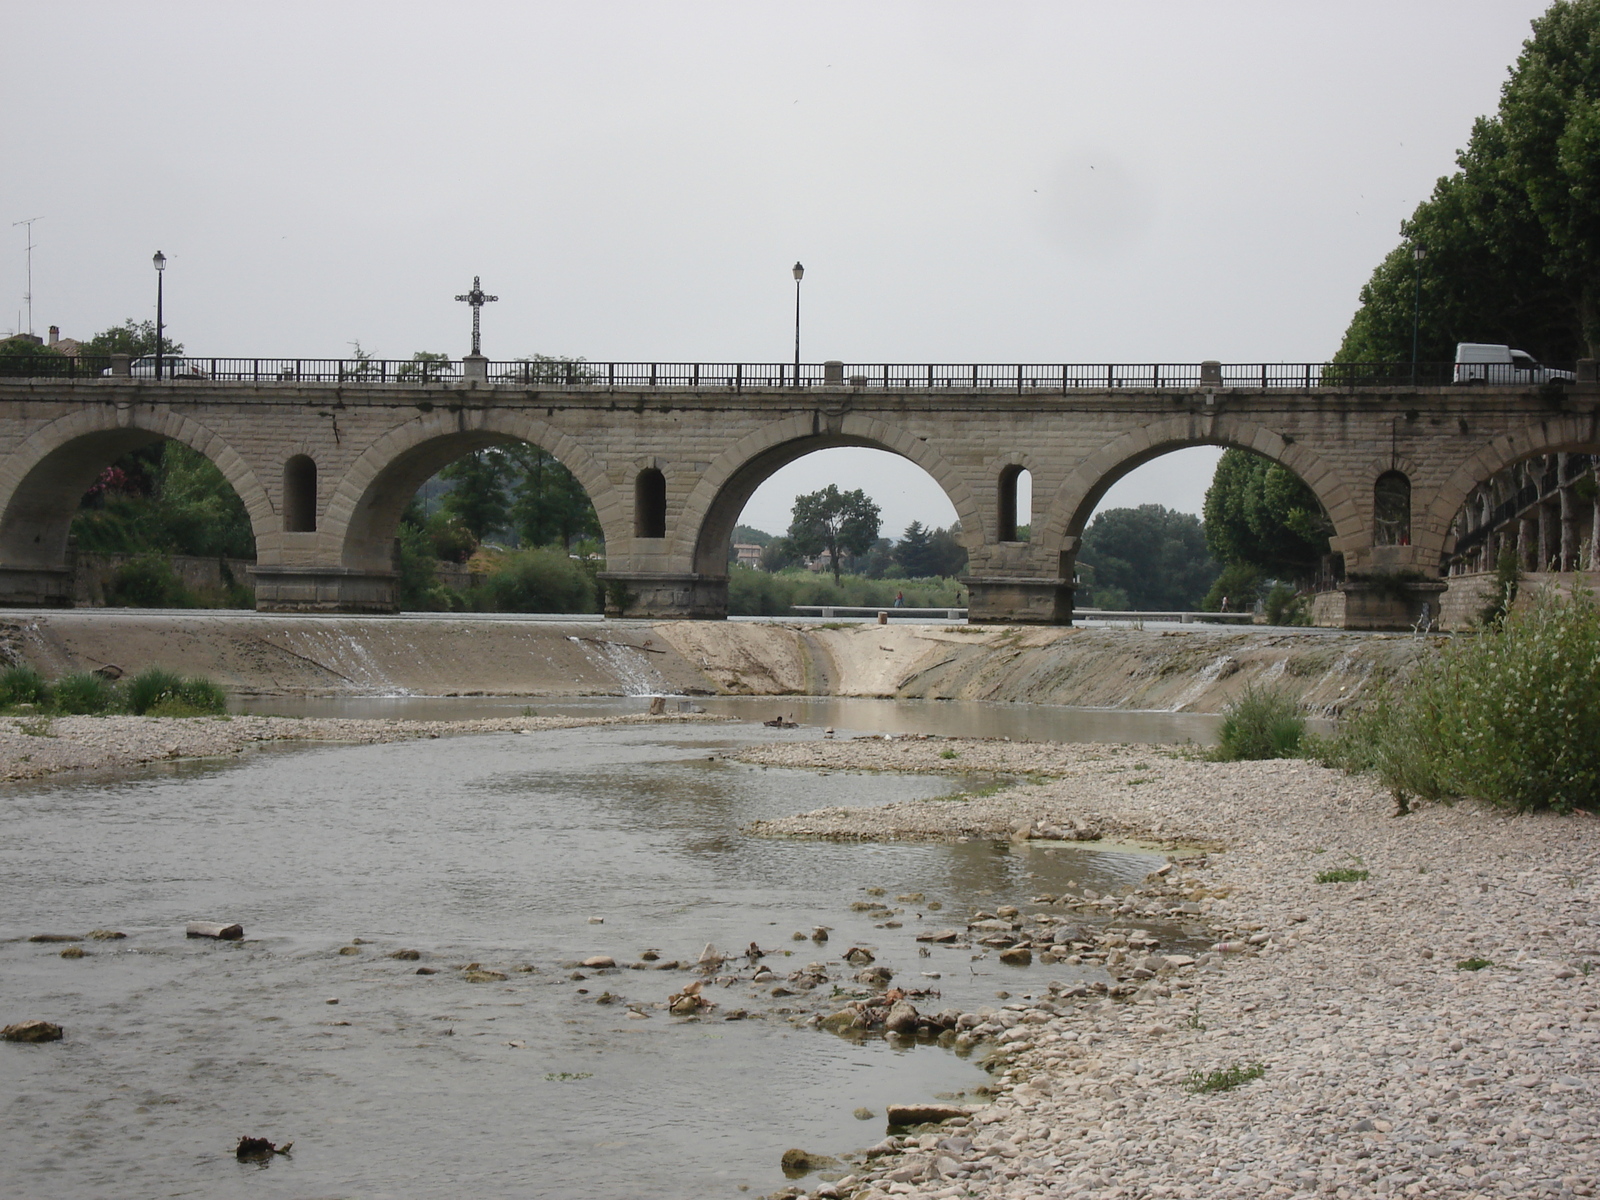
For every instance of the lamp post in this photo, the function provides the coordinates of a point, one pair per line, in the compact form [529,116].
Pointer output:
[799,274]
[160,261]
[1417,255]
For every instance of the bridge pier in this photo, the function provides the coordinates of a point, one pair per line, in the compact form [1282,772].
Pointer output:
[1380,602]
[303,589]
[36,587]
[1018,600]
[666,595]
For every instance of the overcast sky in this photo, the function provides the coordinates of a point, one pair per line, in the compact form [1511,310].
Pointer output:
[1110,181]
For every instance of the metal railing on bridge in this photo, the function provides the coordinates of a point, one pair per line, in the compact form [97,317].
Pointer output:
[547,373]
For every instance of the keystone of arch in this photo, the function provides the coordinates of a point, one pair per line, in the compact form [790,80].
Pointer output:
[1549,436]
[43,442]
[1074,501]
[358,481]
[853,430]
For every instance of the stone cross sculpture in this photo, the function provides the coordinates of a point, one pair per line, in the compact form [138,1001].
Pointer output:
[477,299]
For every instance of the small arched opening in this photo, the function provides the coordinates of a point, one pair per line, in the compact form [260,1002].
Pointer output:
[1391,509]
[1014,519]
[300,495]
[650,504]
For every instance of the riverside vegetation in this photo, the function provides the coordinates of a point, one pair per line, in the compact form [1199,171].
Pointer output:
[153,692]
[1509,715]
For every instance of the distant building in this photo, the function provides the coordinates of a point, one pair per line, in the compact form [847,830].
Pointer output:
[748,555]
[61,345]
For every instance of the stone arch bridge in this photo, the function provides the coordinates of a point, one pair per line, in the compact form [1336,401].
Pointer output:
[325,468]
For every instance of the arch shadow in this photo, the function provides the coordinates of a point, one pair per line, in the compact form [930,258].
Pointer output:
[1430,527]
[1080,493]
[705,529]
[43,479]
[364,511]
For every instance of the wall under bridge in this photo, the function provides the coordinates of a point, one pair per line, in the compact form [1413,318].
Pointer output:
[325,470]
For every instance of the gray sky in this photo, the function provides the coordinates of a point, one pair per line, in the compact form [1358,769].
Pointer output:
[1117,181]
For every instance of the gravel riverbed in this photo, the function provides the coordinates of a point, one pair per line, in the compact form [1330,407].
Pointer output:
[31,747]
[1429,1029]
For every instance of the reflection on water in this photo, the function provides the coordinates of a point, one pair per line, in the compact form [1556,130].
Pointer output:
[947,718]
[500,850]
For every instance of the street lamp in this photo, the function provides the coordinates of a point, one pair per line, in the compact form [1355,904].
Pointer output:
[799,274]
[160,261]
[1417,255]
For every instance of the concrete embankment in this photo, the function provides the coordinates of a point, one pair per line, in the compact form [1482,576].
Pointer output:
[1198,670]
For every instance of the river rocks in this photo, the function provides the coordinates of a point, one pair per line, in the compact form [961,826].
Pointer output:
[878,976]
[105,935]
[902,1018]
[32,1031]
[55,937]
[1017,956]
[406,955]
[477,974]
[863,1114]
[858,956]
[212,929]
[799,1162]
[596,962]
[348,951]
[943,936]
[74,952]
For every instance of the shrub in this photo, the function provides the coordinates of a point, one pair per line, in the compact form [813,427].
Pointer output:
[537,581]
[147,582]
[1224,1078]
[1510,716]
[149,688]
[83,694]
[23,685]
[1342,875]
[1261,723]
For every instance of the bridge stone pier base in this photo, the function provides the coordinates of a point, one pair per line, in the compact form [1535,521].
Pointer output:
[325,470]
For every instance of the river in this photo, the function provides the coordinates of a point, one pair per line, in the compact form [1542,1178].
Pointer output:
[517,852]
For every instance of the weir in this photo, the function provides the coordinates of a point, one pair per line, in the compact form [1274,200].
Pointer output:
[325,460]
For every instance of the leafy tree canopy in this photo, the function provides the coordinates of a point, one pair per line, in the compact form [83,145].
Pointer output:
[836,522]
[1513,237]
[133,338]
[167,499]
[1260,513]
[1149,557]
[924,552]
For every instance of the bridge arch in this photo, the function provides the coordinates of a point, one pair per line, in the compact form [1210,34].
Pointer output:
[1075,500]
[364,511]
[705,525]
[43,479]
[1430,525]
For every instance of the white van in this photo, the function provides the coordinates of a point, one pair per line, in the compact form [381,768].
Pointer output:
[1480,362]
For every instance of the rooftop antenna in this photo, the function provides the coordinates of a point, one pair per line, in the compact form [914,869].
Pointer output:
[27,296]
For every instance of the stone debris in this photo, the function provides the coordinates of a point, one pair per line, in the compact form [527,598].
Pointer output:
[227,932]
[1386,1071]
[32,1031]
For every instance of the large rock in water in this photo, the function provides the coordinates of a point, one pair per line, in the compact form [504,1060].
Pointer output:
[32,1031]
[798,1162]
[902,1018]
[922,1114]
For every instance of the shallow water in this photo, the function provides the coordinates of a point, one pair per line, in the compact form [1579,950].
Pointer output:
[947,718]
[495,849]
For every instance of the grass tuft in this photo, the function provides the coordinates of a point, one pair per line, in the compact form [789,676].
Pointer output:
[1473,964]
[1223,1078]
[1261,723]
[1342,875]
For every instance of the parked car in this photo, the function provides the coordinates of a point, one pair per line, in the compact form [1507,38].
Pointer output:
[172,367]
[1482,362]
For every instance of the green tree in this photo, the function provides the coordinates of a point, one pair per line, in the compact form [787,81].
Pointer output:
[549,506]
[778,555]
[134,338]
[1261,513]
[477,497]
[913,551]
[837,522]
[1513,237]
[166,499]
[1148,557]
[947,556]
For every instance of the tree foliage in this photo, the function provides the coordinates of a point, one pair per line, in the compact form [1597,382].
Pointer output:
[166,499]
[924,552]
[133,338]
[1513,237]
[834,522]
[1260,513]
[1149,557]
